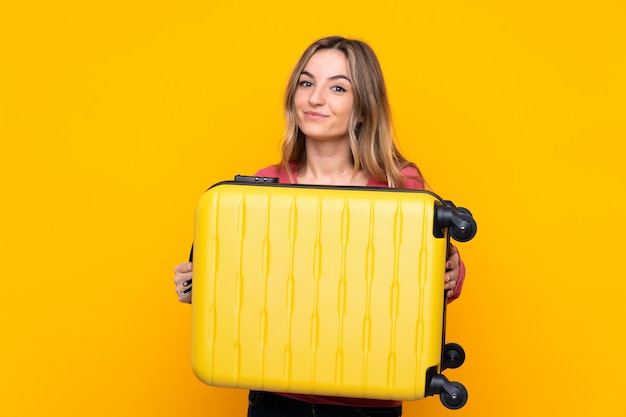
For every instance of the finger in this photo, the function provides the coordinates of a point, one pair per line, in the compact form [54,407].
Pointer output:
[183,273]
[185,298]
[447,279]
[453,261]
[184,292]
[450,278]
[183,268]
[179,278]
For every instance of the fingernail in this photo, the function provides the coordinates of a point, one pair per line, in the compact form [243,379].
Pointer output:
[186,283]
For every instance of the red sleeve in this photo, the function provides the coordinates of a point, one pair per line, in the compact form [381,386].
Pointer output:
[413,179]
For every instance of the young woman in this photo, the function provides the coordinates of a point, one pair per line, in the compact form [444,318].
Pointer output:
[338,132]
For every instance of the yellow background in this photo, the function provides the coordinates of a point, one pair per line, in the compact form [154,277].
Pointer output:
[114,117]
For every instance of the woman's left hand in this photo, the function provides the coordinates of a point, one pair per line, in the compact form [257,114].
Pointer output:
[452,270]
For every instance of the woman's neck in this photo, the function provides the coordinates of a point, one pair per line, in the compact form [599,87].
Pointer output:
[328,163]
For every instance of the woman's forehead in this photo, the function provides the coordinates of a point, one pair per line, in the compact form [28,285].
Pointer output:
[327,61]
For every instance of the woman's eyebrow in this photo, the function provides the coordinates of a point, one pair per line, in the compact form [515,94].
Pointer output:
[334,77]
[337,77]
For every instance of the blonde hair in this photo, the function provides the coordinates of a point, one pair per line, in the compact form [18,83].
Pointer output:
[371,127]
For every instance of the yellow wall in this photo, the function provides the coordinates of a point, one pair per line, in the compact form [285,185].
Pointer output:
[114,117]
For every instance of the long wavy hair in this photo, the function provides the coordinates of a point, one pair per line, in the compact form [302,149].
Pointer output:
[371,127]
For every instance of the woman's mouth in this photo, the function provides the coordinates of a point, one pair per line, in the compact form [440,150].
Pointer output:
[312,115]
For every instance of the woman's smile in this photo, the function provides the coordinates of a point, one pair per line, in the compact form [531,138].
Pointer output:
[313,115]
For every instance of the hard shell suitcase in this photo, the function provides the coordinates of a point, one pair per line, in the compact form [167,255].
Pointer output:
[324,290]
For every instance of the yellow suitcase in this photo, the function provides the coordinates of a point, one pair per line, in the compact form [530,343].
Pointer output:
[324,290]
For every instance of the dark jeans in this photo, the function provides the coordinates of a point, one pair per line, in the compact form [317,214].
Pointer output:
[266,404]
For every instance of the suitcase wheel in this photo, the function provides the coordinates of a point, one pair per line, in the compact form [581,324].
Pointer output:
[459,221]
[453,396]
[453,356]
[463,210]
[463,229]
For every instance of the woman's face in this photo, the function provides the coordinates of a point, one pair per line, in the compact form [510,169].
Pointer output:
[324,97]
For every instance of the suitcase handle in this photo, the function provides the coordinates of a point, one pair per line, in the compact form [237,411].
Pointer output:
[256,180]
[459,221]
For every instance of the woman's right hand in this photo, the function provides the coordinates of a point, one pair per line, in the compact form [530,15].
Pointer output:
[182,280]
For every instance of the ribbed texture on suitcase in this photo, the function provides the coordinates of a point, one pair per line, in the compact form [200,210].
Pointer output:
[317,291]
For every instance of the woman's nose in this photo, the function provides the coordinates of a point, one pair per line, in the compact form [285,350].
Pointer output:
[317,97]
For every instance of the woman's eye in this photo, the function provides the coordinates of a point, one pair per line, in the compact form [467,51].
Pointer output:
[338,89]
[305,83]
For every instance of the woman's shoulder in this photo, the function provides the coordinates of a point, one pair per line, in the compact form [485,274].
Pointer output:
[410,170]
[271,170]
[412,177]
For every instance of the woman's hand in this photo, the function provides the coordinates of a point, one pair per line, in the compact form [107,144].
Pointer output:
[182,280]
[452,270]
